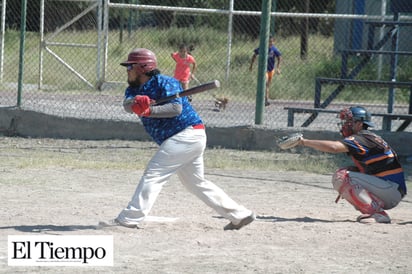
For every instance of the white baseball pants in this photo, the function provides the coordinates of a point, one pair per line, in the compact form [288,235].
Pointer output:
[181,154]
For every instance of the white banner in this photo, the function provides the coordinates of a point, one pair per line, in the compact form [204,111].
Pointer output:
[60,250]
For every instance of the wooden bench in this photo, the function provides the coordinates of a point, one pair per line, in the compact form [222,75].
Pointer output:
[407,118]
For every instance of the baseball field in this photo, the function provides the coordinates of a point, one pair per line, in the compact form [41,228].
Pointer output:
[66,187]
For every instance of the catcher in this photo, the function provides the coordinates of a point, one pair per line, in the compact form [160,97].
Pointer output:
[376,182]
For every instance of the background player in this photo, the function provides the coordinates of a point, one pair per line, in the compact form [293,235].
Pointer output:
[185,66]
[272,66]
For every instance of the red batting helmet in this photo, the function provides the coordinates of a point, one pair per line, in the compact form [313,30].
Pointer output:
[144,58]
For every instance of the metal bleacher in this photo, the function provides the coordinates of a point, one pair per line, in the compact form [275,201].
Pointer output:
[349,77]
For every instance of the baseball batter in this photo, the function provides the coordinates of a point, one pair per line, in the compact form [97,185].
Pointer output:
[376,182]
[179,131]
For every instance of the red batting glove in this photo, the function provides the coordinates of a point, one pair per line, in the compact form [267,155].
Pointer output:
[142,100]
[141,105]
[140,111]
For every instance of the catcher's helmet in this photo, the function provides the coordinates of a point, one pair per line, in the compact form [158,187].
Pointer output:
[361,114]
[351,115]
[144,58]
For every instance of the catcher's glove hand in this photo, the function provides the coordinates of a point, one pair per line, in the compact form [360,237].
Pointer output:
[290,141]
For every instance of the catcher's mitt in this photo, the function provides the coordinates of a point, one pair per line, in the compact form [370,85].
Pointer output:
[290,141]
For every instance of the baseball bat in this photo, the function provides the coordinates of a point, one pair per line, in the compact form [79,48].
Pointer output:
[197,89]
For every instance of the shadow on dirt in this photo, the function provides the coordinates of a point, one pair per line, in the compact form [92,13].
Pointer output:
[47,228]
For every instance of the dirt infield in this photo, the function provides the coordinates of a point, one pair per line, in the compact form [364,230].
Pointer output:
[299,228]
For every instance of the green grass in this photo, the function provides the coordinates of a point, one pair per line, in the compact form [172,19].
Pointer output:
[46,154]
[295,83]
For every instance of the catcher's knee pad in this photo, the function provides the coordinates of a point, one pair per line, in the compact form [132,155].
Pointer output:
[355,194]
[339,177]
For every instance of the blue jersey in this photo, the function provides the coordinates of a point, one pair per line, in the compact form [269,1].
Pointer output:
[273,52]
[158,87]
[373,156]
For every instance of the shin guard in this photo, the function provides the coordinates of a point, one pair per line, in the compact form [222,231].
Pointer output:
[355,194]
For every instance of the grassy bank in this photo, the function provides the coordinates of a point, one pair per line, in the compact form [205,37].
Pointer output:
[211,52]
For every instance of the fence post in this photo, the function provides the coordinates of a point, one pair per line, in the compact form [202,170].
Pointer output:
[21,54]
[263,54]
[3,32]
[229,39]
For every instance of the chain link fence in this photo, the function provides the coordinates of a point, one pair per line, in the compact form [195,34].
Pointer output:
[72,51]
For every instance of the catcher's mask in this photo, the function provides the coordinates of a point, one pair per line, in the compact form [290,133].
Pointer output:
[350,115]
[144,59]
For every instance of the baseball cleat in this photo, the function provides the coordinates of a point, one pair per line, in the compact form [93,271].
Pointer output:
[243,222]
[380,217]
[116,222]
